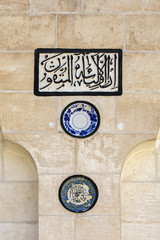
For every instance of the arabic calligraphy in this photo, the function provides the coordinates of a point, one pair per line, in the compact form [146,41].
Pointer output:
[78,71]
[78,194]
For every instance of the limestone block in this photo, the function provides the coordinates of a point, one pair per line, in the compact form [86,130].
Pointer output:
[18,231]
[48,194]
[138,112]
[157,147]
[56,227]
[27,32]
[14,7]
[18,202]
[1,153]
[27,113]
[90,31]
[149,38]
[116,6]
[105,153]
[56,6]
[141,163]
[140,202]
[140,231]
[104,105]
[18,163]
[16,71]
[141,71]
[1,159]
[108,200]
[152,5]
[98,227]
[52,153]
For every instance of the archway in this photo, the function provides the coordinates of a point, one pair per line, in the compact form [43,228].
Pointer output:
[140,194]
[18,193]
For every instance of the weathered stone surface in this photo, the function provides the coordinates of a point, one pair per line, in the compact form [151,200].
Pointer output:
[27,113]
[108,201]
[105,153]
[56,6]
[116,6]
[19,231]
[140,231]
[56,227]
[140,164]
[140,202]
[18,163]
[90,31]
[149,38]
[18,202]
[138,112]
[16,71]
[141,71]
[1,153]
[157,149]
[14,7]
[104,105]
[52,153]
[27,32]
[152,5]
[98,227]
[48,194]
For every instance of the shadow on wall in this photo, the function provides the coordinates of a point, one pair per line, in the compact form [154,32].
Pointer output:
[140,193]
[18,193]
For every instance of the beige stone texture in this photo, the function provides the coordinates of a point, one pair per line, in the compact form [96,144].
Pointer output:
[98,227]
[56,6]
[19,231]
[18,202]
[140,164]
[1,153]
[141,71]
[142,32]
[16,71]
[138,112]
[27,32]
[105,153]
[52,153]
[108,200]
[157,147]
[152,5]
[48,194]
[90,31]
[24,112]
[140,231]
[140,202]
[14,7]
[104,105]
[18,163]
[115,6]
[56,227]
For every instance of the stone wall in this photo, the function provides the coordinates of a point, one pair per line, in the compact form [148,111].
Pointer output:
[34,122]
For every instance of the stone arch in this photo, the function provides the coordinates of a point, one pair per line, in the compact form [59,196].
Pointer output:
[140,193]
[18,193]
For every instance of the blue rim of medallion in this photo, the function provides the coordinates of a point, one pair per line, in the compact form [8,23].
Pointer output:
[78,193]
[80,119]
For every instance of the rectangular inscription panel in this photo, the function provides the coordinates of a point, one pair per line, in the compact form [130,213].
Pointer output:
[78,72]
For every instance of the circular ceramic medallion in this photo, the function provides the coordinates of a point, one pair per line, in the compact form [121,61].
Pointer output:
[78,193]
[80,119]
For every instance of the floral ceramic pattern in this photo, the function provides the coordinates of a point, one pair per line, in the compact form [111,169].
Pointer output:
[80,119]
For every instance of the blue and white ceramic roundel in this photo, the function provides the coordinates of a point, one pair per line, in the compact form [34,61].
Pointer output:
[78,193]
[80,119]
